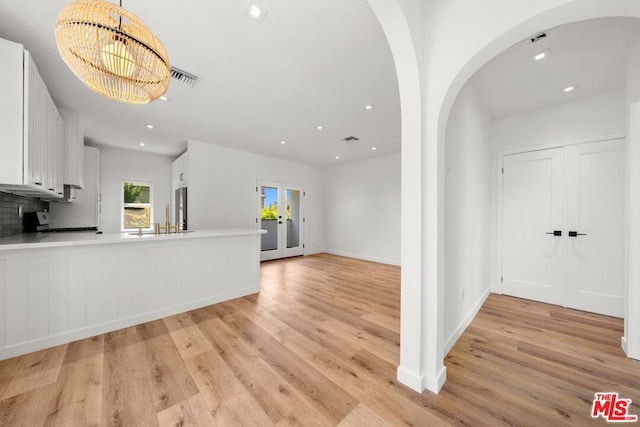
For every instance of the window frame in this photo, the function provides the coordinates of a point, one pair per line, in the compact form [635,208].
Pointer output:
[123,205]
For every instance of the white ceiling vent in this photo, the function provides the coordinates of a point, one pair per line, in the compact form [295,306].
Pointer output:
[351,139]
[184,77]
[538,36]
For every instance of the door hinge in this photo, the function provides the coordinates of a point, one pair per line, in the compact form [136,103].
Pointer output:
[304,219]
[501,279]
[256,189]
[303,246]
[502,171]
[256,220]
[304,194]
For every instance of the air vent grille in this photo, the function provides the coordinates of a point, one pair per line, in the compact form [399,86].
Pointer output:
[538,36]
[184,77]
[351,139]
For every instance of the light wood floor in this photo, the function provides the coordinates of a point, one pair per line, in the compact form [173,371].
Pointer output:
[319,346]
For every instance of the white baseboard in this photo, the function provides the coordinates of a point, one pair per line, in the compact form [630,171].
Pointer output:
[423,382]
[363,257]
[465,322]
[102,328]
[313,251]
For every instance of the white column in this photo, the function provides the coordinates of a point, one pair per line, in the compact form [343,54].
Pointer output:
[631,339]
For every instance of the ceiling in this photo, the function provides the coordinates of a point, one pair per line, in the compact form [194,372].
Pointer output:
[591,54]
[308,63]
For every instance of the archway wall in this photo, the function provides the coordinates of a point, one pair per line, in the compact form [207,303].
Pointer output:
[485,31]
[437,45]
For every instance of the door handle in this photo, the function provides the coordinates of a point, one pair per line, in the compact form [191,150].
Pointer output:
[556,233]
[576,234]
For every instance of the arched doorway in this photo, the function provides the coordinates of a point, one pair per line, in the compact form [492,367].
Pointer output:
[436,47]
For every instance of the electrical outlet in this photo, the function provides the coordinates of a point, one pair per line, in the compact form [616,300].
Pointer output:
[19,211]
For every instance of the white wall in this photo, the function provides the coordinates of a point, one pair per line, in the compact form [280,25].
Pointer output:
[467,209]
[575,121]
[118,164]
[222,189]
[586,119]
[362,209]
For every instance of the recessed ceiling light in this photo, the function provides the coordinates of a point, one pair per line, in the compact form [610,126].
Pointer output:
[149,126]
[142,144]
[541,55]
[368,107]
[337,157]
[570,88]
[283,142]
[319,127]
[373,148]
[255,11]
[163,98]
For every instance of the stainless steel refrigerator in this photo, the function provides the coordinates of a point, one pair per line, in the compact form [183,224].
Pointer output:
[181,207]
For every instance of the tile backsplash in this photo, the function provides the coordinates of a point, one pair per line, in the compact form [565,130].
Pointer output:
[10,222]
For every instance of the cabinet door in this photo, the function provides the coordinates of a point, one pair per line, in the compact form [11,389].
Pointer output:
[59,150]
[11,113]
[50,140]
[35,119]
[179,172]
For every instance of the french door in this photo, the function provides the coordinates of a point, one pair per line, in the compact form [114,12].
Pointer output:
[280,214]
[563,226]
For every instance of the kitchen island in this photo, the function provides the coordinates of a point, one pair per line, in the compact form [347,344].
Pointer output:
[60,287]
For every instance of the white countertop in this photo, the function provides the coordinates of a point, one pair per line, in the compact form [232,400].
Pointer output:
[81,238]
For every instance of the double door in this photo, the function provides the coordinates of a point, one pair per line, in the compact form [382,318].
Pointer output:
[563,226]
[280,214]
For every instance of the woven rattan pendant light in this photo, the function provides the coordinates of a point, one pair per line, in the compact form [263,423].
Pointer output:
[112,51]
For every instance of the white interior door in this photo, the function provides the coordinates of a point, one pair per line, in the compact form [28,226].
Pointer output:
[533,209]
[563,226]
[280,213]
[595,221]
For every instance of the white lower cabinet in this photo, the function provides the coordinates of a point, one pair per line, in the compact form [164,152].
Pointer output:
[55,295]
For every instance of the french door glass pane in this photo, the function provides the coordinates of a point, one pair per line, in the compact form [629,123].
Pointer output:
[293,218]
[269,218]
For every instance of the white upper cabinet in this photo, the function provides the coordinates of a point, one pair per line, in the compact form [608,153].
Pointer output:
[180,171]
[31,129]
[11,111]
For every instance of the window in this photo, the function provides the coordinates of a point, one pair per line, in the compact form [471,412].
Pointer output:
[136,204]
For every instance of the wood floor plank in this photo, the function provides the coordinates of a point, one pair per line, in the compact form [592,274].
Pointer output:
[28,409]
[78,394]
[190,412]
[332,401]
[35,370]
[391,323]
[387,350]
[126,388]
[361,416]
[319,346]
[224,394]
[273,392]
[169,379]
[190,341]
